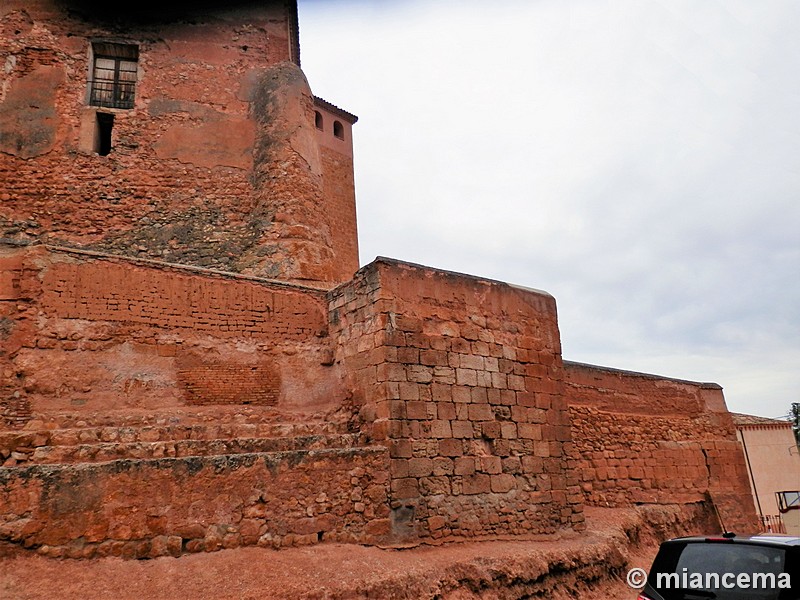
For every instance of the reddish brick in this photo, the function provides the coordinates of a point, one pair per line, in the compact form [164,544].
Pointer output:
[480,412]
[461,394]
[466,377]
[503,483]
[446,411]
[490,464]
[476,484]
[491,429]
[404,488]
[399,467]
[464,466]
[400,449]
[441,429]
[433,358]
[441,393]
[508,430]
[462,429]
[409,391]
[442,466]
[417,410]
[408,323]
[420,467]
[408,355]
[471,361]
[450,447]
[478,394]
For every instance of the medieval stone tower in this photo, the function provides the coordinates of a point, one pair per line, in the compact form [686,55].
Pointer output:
[184,133]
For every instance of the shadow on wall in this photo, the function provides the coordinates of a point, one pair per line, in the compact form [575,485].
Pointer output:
[154,11]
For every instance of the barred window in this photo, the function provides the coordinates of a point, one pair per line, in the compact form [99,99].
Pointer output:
[113,82]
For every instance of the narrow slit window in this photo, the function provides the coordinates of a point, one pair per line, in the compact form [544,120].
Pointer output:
[318,120]
[114,72]
[105,123]
[338,129]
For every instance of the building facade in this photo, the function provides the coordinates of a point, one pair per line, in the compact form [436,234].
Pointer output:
[185,134]
[773,465]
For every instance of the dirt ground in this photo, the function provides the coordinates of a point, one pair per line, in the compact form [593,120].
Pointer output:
[592,565]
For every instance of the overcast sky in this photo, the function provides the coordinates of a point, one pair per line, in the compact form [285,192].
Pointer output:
[637,159]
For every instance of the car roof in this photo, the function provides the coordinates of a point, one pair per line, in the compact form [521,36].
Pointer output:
[760,539]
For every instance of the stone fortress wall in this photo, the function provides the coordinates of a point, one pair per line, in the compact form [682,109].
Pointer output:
[191,362]
[151,408]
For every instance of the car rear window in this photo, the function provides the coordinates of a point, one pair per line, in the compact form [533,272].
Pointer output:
[707,569]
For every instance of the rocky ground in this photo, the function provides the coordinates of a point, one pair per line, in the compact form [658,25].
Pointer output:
[590,566]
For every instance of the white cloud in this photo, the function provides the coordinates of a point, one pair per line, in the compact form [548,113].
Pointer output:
[637,159]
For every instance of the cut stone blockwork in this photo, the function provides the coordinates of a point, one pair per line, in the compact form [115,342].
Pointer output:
[189,362]
[462,380]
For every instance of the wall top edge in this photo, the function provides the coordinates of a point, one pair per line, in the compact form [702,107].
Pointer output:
[611,370]
[394,262]
[332,108]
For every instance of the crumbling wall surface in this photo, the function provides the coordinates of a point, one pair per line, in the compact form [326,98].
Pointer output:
[148,508]
[288,177]
[462,379]
[150,409]
[339,188]
[642,439]
[183,181]
[589,567]
[84,332]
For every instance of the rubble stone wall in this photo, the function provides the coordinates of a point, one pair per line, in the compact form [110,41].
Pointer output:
[143,509]
[642,439]
[457,406]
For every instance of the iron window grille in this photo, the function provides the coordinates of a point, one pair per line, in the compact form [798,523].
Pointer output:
[113,83]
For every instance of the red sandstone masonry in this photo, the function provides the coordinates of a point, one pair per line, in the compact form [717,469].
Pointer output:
[96,332]
[149,508]
[194,80]
[147,368]
[105,291]
[181,183]
[462,378]
[642,439]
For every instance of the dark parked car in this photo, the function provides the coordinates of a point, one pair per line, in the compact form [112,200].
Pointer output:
[762,567]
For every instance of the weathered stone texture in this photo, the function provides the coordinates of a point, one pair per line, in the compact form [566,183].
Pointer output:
[86,332]
[455,383]
[162,392]
[462,379]
[339,188]
[144,509]
[642,439]
[183,181]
